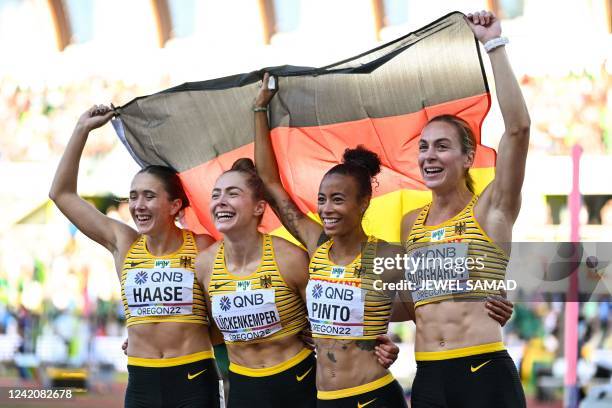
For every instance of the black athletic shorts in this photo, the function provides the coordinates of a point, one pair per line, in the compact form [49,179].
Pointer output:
[478,381]
[293,387]
[190,385]
[369,395]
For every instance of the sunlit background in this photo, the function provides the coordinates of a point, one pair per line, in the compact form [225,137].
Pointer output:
[59,293]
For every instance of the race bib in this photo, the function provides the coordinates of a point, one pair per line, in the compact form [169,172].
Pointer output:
[159,292]
[335,309]
[438,270]
[246,315]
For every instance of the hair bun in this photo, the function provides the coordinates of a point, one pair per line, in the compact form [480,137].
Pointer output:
[243,164]
[360,156]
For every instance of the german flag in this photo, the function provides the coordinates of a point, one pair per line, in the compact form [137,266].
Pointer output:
[381,99]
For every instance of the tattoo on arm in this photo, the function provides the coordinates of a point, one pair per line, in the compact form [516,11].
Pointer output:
[289,215]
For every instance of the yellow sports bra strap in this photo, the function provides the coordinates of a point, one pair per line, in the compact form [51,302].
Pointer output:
[220,256]
[420,220]
[268,253]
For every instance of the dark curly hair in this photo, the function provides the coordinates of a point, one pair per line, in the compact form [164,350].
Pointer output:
[361,164]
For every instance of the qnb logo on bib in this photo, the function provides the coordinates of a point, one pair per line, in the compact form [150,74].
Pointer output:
[225,304]
[141,278]
[335,309]
[438,270]
[317,290]
[246,315]
[159,292]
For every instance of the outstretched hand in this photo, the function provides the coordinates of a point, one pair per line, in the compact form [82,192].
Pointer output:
[484,25]
[265,94]
[95,117]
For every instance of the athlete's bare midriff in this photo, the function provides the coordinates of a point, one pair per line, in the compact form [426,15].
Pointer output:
[346,363]
[167,340]
[265,354]
[451,325]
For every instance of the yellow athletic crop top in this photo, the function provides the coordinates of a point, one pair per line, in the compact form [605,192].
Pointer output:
[258,307]
[453,260]
[162,288]
[341,300]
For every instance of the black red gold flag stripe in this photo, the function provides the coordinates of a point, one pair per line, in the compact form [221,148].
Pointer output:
[381,99]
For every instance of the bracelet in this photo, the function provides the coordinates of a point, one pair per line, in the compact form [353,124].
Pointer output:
[495,43]
[260,108]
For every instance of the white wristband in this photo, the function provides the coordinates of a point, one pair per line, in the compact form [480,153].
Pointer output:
[495,43]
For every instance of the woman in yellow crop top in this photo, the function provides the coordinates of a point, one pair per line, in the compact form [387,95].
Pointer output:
[459,350]
[254,297]
[256,285]
[347,315]
[170,356]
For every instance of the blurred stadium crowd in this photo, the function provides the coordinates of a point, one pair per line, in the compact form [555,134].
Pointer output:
[59,294]
[571,109]
[38,120]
